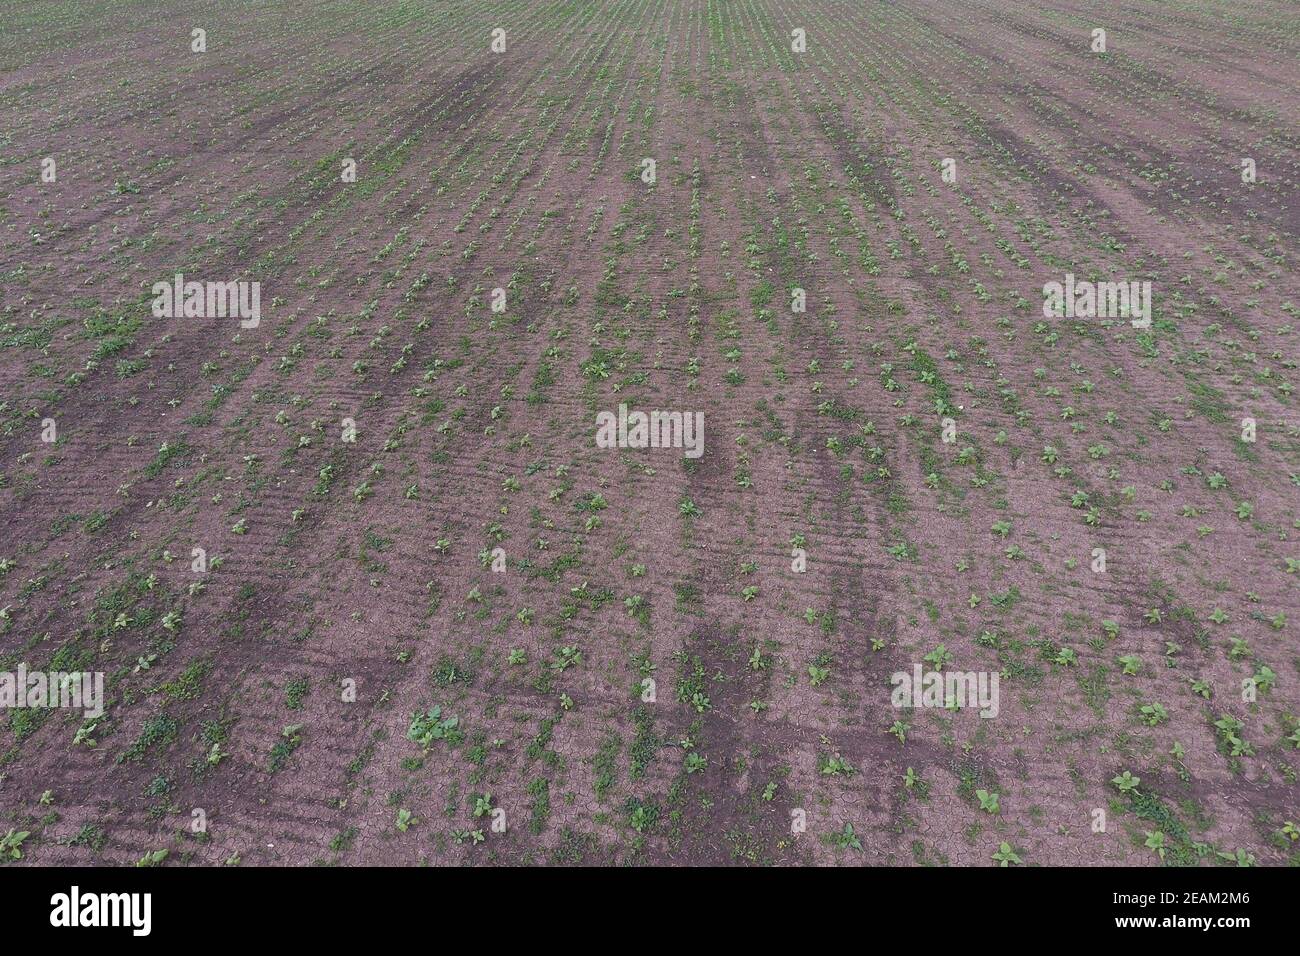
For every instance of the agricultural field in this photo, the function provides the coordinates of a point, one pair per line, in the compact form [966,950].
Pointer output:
[965,531]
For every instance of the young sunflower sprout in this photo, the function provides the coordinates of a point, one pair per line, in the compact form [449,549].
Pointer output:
[649,433]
